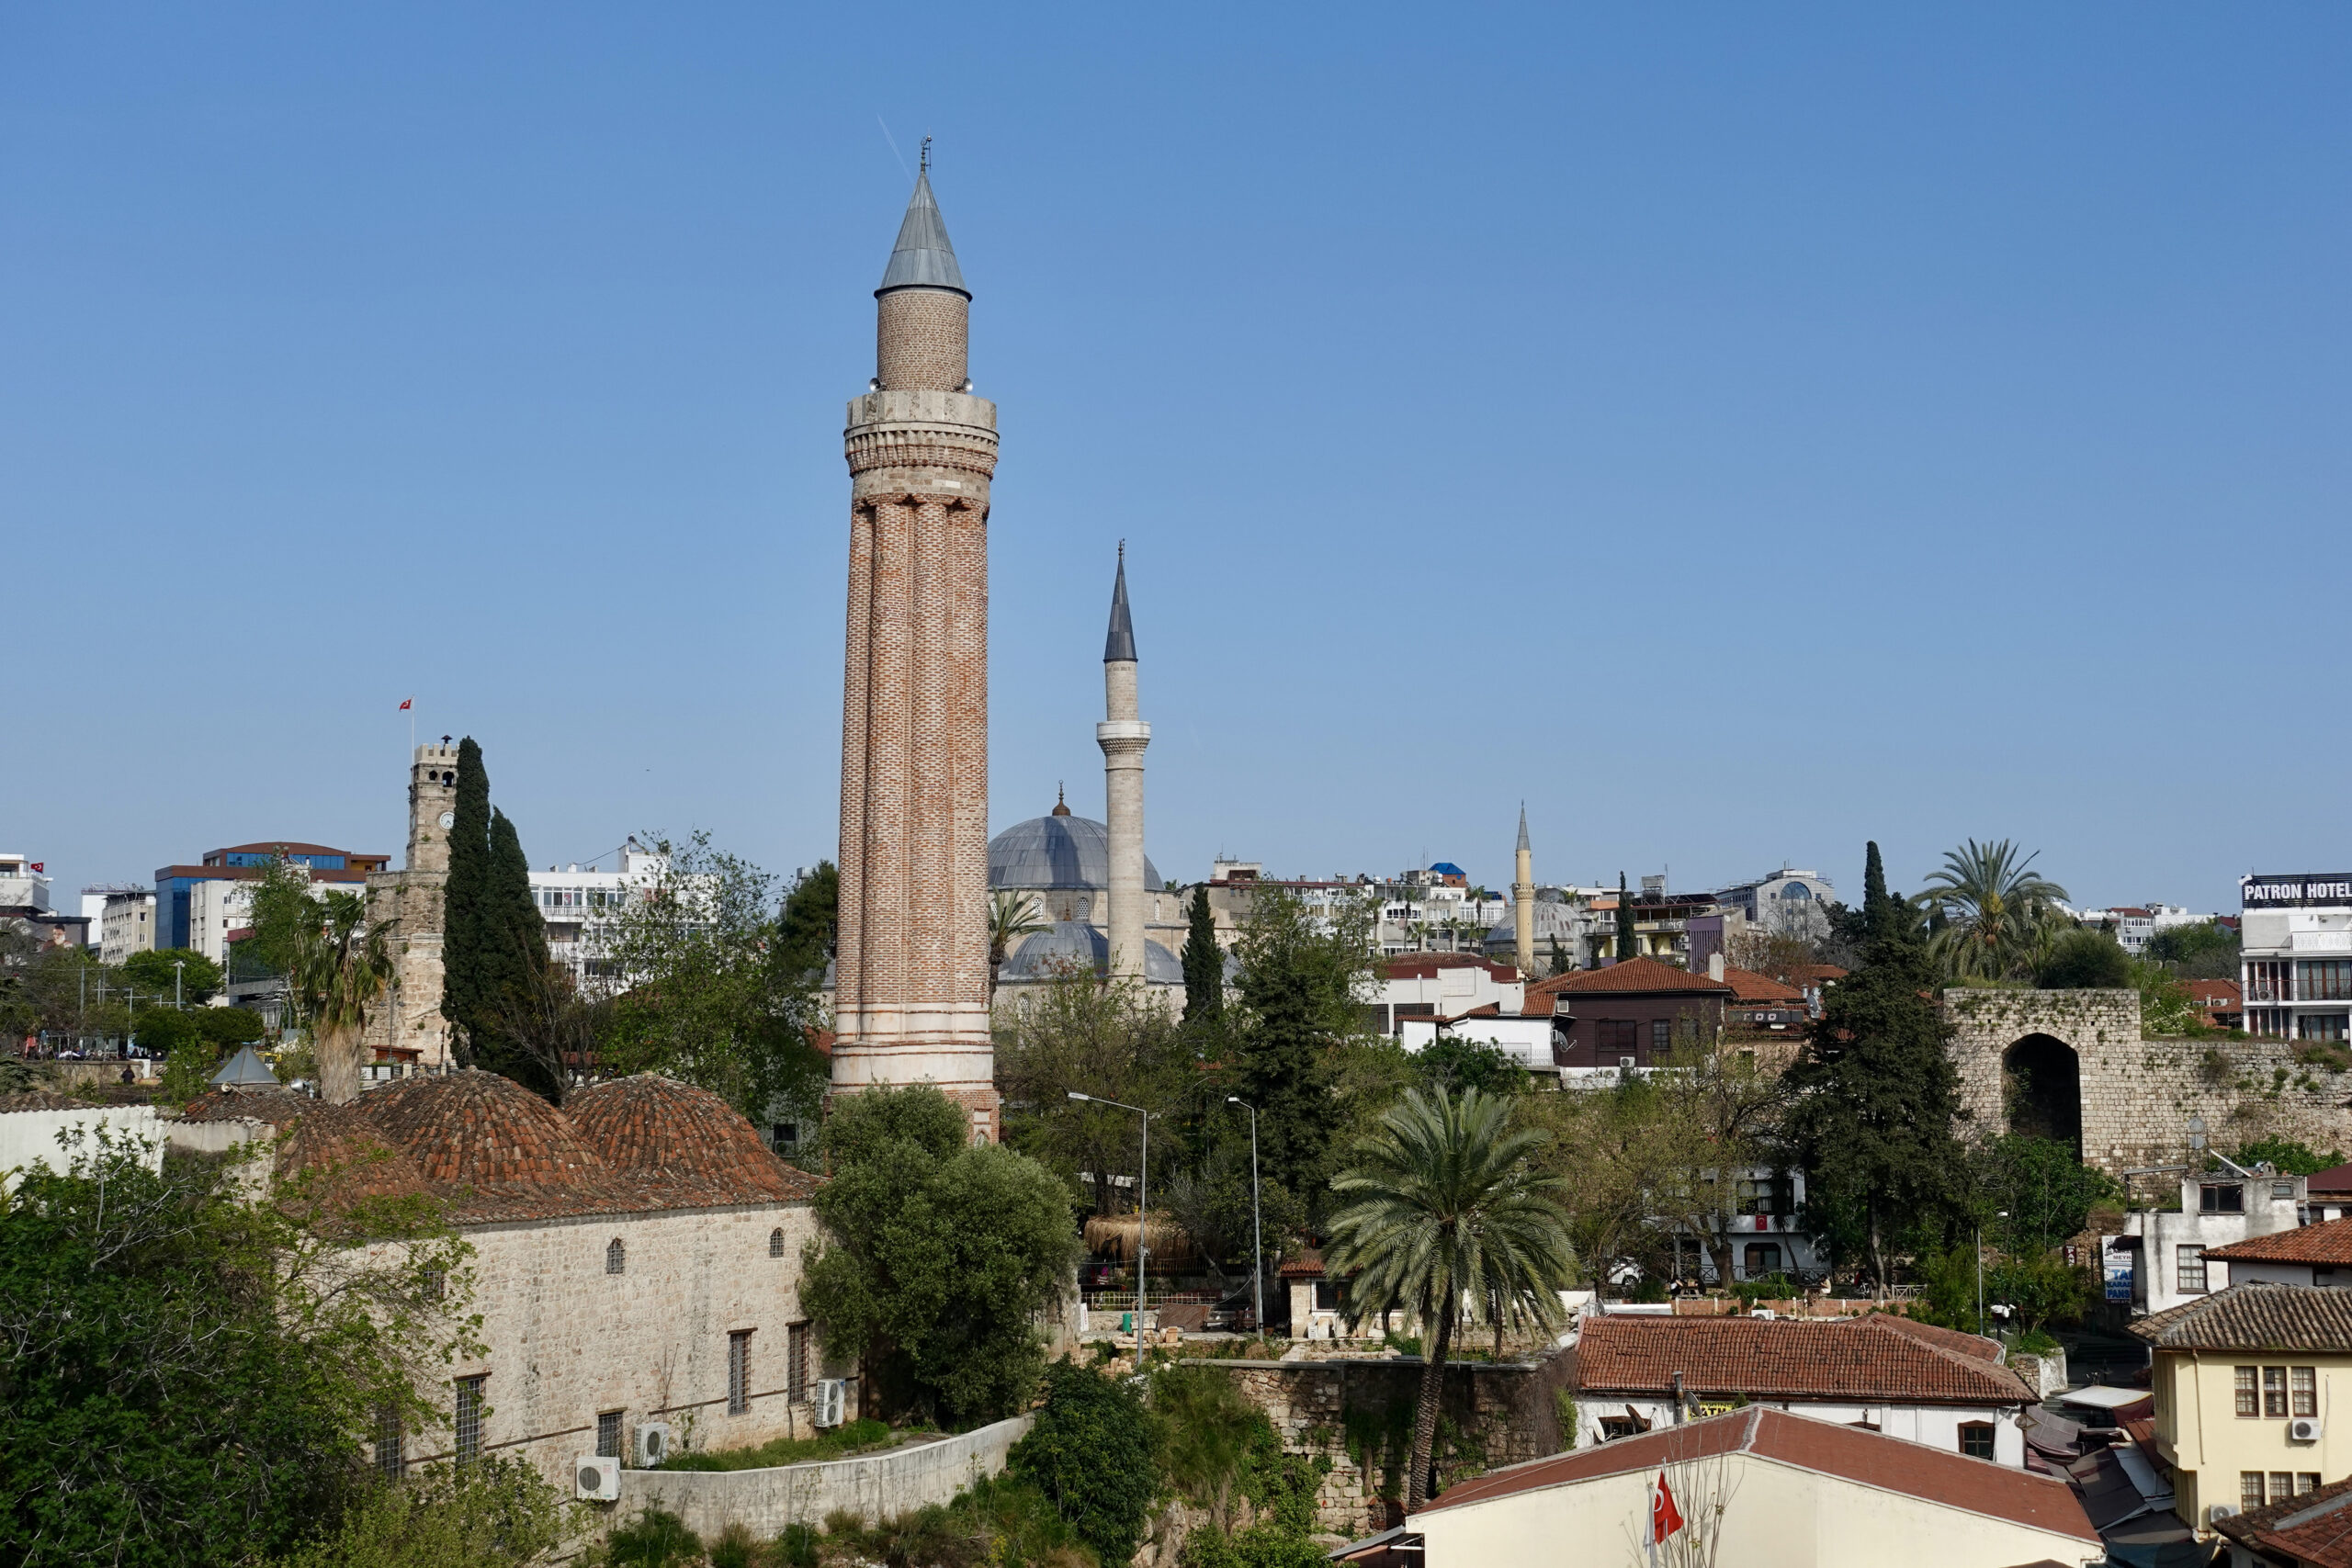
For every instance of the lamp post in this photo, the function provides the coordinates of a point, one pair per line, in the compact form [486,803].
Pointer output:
[1257,1235]
[178,965]
[1142,1209]
[1998,1215]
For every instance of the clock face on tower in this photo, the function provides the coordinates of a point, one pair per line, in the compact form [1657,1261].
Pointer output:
[448,819]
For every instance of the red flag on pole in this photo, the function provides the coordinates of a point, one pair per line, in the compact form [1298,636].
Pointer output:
[1665,1518]
[40,866]
[406,702]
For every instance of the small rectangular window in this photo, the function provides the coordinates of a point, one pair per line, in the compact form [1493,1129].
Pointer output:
[609,1434]
[796,1363]
[2189,1269]
[2249,1490]
[738,1372]
[2306,1481]
[2249,1398]
[2221,1200]
[2274,1393]
[468,1422]
[2304,1386]
[2282,1485]
[1661,1037]
[389,1460]
[1976,1438]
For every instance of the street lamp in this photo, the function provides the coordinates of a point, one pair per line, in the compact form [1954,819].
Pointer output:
[1998,1215]
[1142,1209]
[177,965]
[1257,1235]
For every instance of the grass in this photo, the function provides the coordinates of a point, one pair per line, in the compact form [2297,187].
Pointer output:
[858,1437]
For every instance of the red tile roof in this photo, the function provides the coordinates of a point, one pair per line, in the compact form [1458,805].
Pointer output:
[657,1126]
[1746,985]
[1815,974]
[1648,975]
[2258,1316]
[1873,1358]
[1425,966]
[40,1099]
[1307,1265]
[1848,1453]
[2314,1527]
[2328,1243]
[2335,1181]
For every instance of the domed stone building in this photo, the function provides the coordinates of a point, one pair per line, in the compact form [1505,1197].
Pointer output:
[637,1256]
[1062,862]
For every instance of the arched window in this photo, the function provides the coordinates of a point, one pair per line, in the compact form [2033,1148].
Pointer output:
[776,1242]
[616,1257]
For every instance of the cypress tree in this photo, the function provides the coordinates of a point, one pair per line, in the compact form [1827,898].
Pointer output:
[1624,922]
[466,903]
[1877,1093]
[1203,963]
[510,967]
[806,929]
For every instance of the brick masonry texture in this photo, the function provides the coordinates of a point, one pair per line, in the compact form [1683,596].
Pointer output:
[920,337]
[410,901]
[2138,1095]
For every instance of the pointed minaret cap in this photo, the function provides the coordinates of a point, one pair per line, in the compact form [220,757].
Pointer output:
[922,258]
[1522,824]
[1120,646]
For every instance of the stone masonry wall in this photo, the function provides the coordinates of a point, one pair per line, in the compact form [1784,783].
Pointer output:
[2138,1095]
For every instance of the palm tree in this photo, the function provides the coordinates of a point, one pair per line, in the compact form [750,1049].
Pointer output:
[1012,916]
[1994,908]
[1445,1208]
[339,967]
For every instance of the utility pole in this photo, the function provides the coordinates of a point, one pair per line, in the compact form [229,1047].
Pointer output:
[1257,1235]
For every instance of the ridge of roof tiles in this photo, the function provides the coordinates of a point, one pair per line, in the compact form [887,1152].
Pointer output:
[2330,1241]
[2257,1316]
[656,1126]
[342,1149]
[1747,985]
[279,1108]
[40,1099]
[1871,1357]
[1628,975]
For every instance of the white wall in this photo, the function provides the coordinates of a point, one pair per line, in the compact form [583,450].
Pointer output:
[29,1137]
[1528,1040]
[1937,1425]
[875,1487]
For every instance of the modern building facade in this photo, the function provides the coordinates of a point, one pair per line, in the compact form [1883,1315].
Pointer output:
[912,962]
[2296,955]
[181,911]
[126,920]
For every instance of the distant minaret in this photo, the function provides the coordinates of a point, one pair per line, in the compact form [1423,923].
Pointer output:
[1522,899]
[1123,738]
[912,961]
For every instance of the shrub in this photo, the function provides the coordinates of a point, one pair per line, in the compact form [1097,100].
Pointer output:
[2288,1155]
[655,1538]
[489,1515]
[2085,961]
[857,1436]
[1094,1454]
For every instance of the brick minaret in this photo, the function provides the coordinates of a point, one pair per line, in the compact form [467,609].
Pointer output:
[911,967]
[1123,738]
[1522,901]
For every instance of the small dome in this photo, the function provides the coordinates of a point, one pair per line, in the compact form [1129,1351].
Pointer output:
[651,1125]
[1057,851]
[1076,945]
[1551,921]
[481,1128]
[342,1147]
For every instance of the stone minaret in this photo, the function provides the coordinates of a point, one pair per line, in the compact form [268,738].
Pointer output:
[912,966]
[1123,738]
[1522,899]
[410,902]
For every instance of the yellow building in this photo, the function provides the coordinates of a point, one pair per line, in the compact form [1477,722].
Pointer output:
[2246,1381]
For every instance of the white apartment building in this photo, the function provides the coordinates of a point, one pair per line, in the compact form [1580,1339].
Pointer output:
[214,910]
[577,907]
[2136,925]
[2296,955]
[24,887]
[126,920]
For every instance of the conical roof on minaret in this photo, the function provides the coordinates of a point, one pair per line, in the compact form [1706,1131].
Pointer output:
[1522,826]
[922,258]
[1121,644]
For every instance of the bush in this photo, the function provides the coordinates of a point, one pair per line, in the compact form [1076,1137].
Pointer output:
[492,1514]
[2085,961]
[655,1538]
[1456,1065]
[2286,1153]
[857,1436]
[1094,1453]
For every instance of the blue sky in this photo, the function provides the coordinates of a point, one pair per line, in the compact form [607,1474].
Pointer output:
[1739,433]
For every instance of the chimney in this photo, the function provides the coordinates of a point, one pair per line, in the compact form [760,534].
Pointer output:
[1715,964]
[1677,1399]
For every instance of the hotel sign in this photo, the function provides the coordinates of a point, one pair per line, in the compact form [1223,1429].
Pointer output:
[2302,891]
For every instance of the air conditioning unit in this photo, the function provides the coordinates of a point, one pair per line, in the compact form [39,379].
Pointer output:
[832,1402]
[652,1444]
[596,1478]
[2217,1512]
[1626,1064]
[2302,1429]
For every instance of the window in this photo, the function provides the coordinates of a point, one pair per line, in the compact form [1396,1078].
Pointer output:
[609,1434]
[2326,980]
[1763,1258]
[2274,1393]
[2321,1026]
[388,1442]
[1976,1438]
[2306,1481]
[2221,1200]
[2189,1264]
[2281,1191]
[468,1422]
[2266,981]
[1661,1037]
[616,1257]
[2249,1402]
[738,1372]
[788,1136]
[1616,1426]
[776,1242]
[1766,1196]
[2303,1390]
[2282,1485]
[2249,1490]
[437,1284]
[796,1363]
[1618,1036]
[1331,1295]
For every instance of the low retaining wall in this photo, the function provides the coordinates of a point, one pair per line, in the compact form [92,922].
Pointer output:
[874,1487]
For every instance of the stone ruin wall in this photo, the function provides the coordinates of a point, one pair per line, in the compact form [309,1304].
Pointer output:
[2138,1095]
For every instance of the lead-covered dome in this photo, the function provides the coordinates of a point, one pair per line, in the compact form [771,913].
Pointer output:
[1076,947]
[1057,852]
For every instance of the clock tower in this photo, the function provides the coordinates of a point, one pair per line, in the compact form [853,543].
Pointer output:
[406,1026]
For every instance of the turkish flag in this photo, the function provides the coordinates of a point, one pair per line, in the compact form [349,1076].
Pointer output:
[40,866]
[407,703]
[1665,1518]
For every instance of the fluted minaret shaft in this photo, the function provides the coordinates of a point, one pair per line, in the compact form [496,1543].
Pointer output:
[1122,735]
[911,970]
[1522,899]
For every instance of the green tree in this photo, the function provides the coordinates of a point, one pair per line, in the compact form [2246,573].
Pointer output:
[2085,961]
[2294,1157]
[1107,1040]
[513,969]
[1094,1452]
[1296,1011]
[472,937]
[493,1513]
[1875,1094]
[2045,1192]
[806,930]
[1457,1064]
[1012,914]
[1627,943]
[1444,1206]
[937,1255]
[1998,913]
[189,1375]
[340,967]
[1204,962]
[198,977]
[2206,951]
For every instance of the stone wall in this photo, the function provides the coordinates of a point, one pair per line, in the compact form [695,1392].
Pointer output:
[874,1487]
[2138,1095]
[1357,1413]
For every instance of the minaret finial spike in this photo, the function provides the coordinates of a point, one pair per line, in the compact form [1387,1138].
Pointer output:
[925,165]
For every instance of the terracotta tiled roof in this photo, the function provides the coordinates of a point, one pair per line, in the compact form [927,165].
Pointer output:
[40,1099]
[1633,974]
[1746,985]
[347,1157]
[2257,1316]
[1815,974]
[2335,1181]
[1425,966]
[2315,1528]
[276,1107]
[1873,1358]
[656,1126]
[481,1129]
[1868,1459]
[1307,1265]
[1972,1344]
[2327,1243]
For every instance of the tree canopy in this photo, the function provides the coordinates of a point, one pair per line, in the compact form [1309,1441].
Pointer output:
[2084,961]
[198,977]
